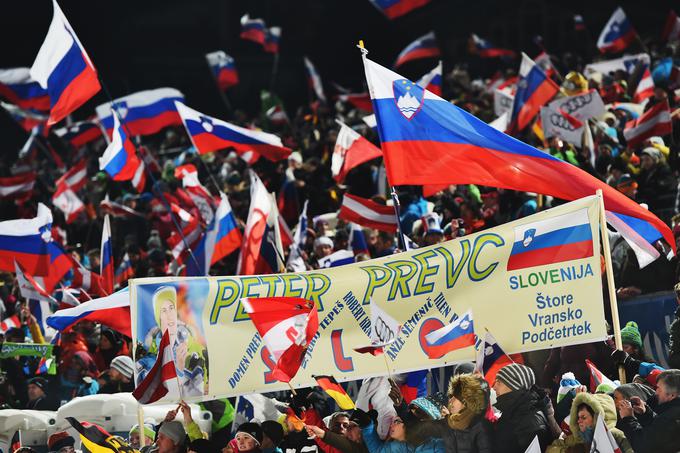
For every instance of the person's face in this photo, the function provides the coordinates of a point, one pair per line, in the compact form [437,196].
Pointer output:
[585,420]
[646,162]
[104,343]
[455,405]
[134,440]
[501,388]
[34,392]
[618,397]
[324,250]
[354,433]
[340,425]
[629,349]
[397,431]
[68,449]
[168,317]
[244,442]
[165,444]
[372,238]
[663,394]
[115,375]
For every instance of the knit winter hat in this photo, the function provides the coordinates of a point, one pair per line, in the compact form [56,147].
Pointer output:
[59,440]
[162,294]
[149,433]
[567,384]
[428,407]
[273,430]
[124,365]
[251,429]
[517,376]
[631,335]
[174,430]
[39,382]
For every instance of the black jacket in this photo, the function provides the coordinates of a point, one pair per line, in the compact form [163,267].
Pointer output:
[475,439]
[521,420]
[654,432]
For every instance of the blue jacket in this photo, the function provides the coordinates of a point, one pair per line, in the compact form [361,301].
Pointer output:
[375,445]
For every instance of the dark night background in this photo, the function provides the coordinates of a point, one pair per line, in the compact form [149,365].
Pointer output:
[138,45]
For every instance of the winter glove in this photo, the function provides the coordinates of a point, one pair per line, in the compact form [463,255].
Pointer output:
[620,357]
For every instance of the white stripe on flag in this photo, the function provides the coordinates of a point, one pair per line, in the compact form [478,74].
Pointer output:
[571,219]
[368,213]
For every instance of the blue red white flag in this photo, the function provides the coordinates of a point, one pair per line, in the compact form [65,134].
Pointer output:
[368,213]
[397,8]
[80,133]
[112,311]
[485,49]
[671,29]
[27,119]
[314,80]
[145,112]
[295,261]
[362,101]
[64,69]
[432,81]
[617,33]
[335,259]
[223,69]
[423,47]
[211,134]
[17,86]
[224,237]
[253,29]
[106,268]
[272,39]
[427,140]
[351,150]
[8,323]
[491,358]
[60,264]
[534,90]
[457,335]
[555,240]
[357,240]
[125,270]
[26,241]
[579,24]
[120,159]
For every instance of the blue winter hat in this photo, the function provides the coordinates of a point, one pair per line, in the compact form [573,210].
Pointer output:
[428,407]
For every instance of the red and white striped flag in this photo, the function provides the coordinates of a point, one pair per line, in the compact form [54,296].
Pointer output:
[655,121]
[351,150]
[15,187]
[162,377]
[603,440]
[8,323]
[75,178]
[287,326]
[368,213]
[597,377]
[645,88]
[68,202]
[139,178]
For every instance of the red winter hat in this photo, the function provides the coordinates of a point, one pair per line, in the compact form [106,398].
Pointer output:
[59,440]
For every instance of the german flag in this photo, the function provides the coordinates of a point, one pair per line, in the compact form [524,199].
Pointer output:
[96,440]
[331,386]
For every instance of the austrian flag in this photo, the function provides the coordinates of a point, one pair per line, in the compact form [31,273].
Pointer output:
[368,213]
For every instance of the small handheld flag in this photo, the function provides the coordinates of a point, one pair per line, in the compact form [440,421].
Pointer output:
[617,34]
[384,331]
[335,391]
[457,335]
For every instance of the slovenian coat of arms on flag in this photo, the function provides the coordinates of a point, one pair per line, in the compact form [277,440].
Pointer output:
[555,240]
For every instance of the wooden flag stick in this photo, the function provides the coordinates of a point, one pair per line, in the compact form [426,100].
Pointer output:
[291,388]
[387,365]
[609,270]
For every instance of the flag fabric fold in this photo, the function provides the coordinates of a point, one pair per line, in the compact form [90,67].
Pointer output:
[457,335]
[161,379]
[423,47]
[26,241]
[617,34]
[351,150]
[368,213]
[112,311]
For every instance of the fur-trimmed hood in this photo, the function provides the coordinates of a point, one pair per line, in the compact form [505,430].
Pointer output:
[601,404]
[471,390]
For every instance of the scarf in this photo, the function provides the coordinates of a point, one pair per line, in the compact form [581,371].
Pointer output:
[461,420]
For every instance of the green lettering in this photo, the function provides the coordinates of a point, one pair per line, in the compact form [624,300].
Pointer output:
[487,238]
[426,270]
[453,270]
[377,276]
[314,293]
[403,272]
[288,290]
[227,294]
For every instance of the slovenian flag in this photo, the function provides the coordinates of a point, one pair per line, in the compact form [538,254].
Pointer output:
[432,81]
[457,335]
[17,86]
[145,112]
[106,269]
[423,47]
[64,69]
[617,34]
[485,49]
[26,241]
[80,133]
[253,29]
[223,69]
[120,159]
[112,311]
[558,239]
[211,134]
[314,80]
[396,8]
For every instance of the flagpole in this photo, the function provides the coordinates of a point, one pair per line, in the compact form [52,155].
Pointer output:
[140,422]
[393,192]
[387,365]
[610,282]
[166,203]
